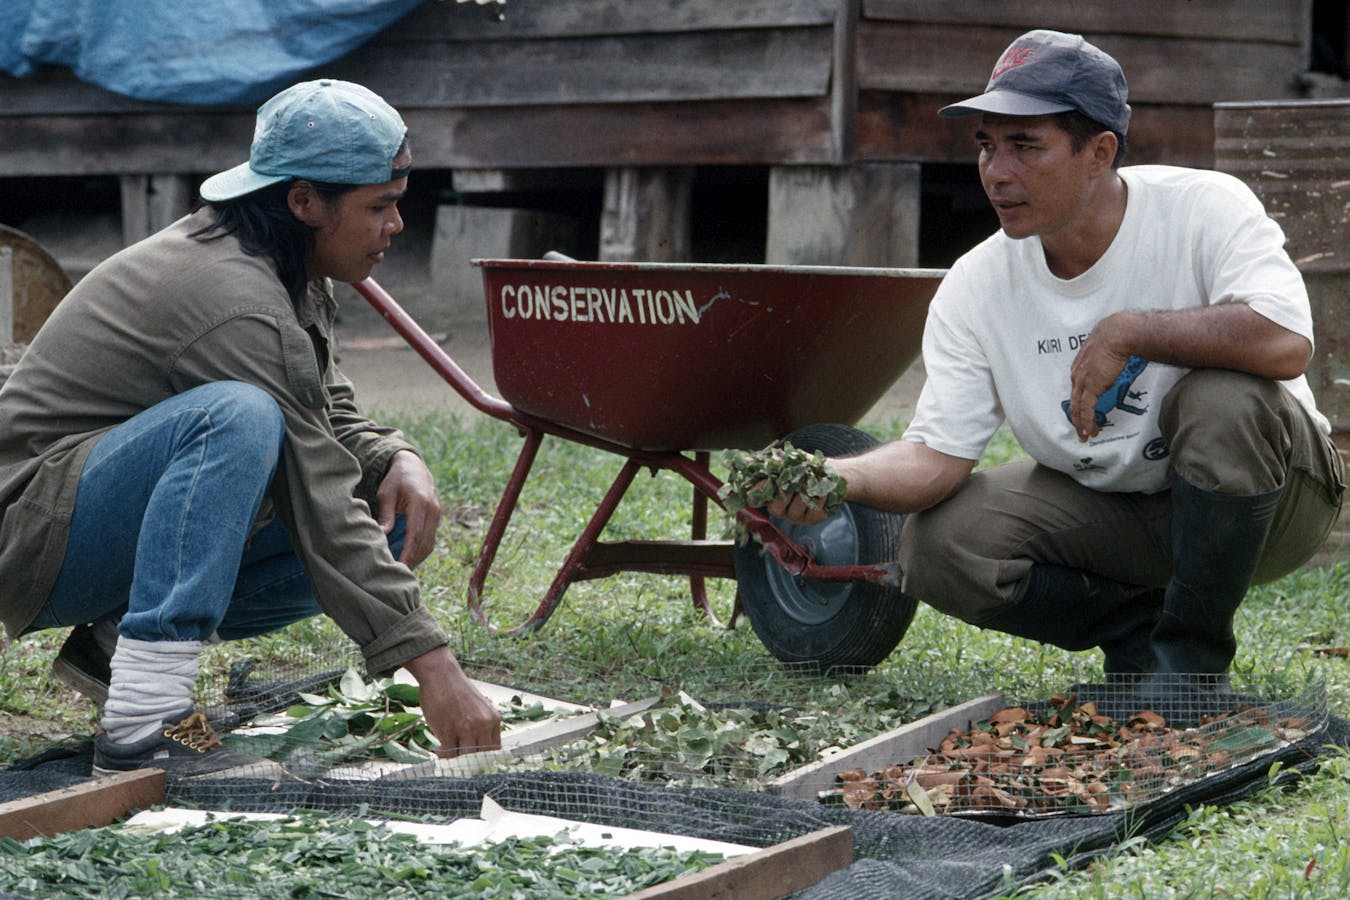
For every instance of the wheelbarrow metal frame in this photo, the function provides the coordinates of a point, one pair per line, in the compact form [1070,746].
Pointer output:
[590,557]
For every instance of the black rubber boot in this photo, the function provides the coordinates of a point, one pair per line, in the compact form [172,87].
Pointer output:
[1077,610]
[1217,541]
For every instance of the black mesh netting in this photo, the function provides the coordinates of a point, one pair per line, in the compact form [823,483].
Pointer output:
[897,855]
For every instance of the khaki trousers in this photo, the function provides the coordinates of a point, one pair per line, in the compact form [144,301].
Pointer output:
[969,556]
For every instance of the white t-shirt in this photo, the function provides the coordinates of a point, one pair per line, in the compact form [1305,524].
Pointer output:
[1002,330]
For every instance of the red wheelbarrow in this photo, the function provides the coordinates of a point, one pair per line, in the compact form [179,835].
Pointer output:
[662,363]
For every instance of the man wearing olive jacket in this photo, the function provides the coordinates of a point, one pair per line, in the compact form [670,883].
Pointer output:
[180,456]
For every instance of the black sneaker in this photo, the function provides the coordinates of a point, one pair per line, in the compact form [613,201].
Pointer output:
[82,665]
[185,747]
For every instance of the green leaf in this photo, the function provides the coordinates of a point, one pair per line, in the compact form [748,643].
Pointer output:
[353,687]
[406,694]
[1243,740]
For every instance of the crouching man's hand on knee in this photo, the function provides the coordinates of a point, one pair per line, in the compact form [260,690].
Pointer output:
[409,490]
[461,718]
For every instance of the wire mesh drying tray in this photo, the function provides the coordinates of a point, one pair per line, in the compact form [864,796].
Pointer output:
[1096,748]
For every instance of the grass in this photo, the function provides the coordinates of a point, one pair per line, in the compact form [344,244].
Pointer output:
[631,635]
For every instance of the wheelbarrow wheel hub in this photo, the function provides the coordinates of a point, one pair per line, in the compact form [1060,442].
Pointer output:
[833,542]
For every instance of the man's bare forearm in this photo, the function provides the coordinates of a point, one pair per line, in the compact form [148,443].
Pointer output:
[1227,336]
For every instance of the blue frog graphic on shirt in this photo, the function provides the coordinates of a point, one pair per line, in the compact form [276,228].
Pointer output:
[1118,395]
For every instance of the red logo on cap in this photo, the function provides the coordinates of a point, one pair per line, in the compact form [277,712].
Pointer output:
[1011,59]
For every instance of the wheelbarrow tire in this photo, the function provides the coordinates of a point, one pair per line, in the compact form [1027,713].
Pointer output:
[834,625]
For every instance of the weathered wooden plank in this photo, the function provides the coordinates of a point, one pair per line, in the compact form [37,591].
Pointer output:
[907,127]
[750,132]
[637,68]
[520,19]
[56,91]
[776,871]
[90,804]
[1296,157]
[899,746]
[903,127]
[1281,21]
[610,51]
[124,144]
[932,58]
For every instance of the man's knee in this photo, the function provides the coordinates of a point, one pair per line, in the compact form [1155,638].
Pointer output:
[949,561]
[1228,431]
[248,413]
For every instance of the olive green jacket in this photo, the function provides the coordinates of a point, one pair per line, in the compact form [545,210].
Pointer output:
[163,316]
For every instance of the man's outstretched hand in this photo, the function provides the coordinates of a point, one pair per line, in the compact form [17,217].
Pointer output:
[461,718]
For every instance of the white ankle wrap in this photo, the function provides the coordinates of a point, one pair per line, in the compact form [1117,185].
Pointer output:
[151,680]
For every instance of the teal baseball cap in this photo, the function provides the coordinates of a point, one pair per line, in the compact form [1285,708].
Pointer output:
[326,130]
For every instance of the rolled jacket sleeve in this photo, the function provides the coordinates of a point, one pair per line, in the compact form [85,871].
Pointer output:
[373,598]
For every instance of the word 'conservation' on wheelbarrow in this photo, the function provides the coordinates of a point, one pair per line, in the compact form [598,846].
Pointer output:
[662,363]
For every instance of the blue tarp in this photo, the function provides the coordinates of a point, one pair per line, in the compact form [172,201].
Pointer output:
[188,51]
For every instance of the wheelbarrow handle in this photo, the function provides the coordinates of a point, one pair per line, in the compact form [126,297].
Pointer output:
[798,562]
[430,351]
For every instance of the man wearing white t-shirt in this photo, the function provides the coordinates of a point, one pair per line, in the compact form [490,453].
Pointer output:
[1144,334]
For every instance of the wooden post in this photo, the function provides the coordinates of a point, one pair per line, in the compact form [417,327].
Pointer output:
[844,84]
[646,215]
[463,233]
[866,214]
[152,202]
[6,296]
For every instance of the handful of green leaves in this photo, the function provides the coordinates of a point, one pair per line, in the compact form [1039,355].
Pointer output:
[756,477]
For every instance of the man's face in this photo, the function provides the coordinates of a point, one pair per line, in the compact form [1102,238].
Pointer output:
[1035,182]
[353,231]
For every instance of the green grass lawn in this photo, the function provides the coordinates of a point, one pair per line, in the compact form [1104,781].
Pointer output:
[630,636]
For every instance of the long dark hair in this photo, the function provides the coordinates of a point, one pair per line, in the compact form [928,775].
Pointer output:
[265,226]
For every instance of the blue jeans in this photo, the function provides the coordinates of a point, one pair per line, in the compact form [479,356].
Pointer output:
[159,536]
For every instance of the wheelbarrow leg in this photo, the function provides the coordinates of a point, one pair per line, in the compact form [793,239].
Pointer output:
[577,556]
[698,585]
[500,519]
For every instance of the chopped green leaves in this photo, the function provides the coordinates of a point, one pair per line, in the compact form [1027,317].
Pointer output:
[309,855]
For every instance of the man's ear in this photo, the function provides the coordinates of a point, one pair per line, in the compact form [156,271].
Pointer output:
[1104,147]
[306,204]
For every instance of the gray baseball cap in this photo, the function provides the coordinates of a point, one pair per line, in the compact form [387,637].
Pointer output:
[1046,72]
